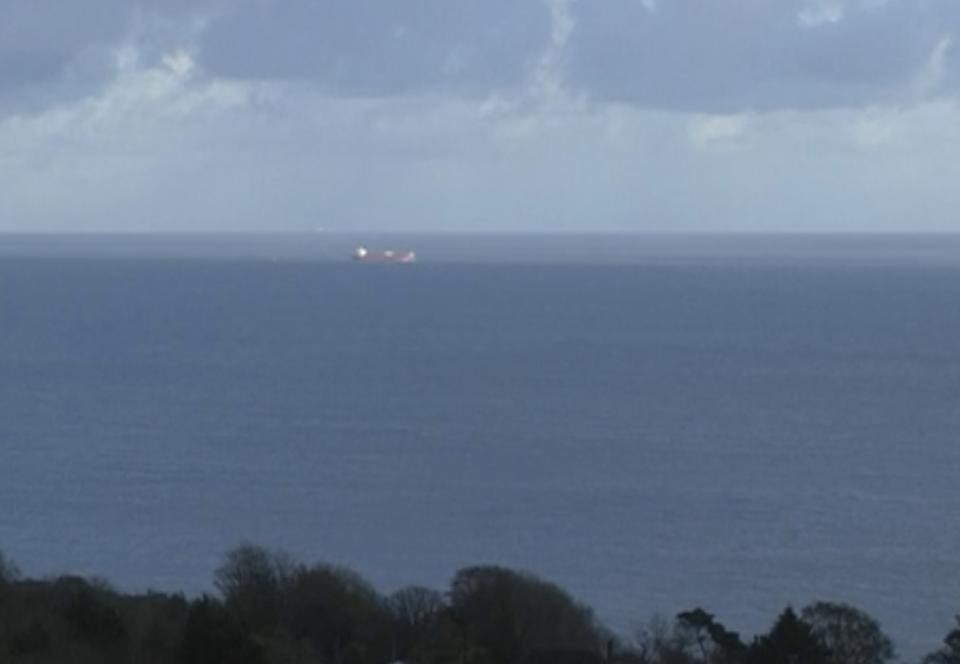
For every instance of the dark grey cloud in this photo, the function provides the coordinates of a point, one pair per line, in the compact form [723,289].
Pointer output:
[703,55]
[726,56]
[700,55]
[23,67]
[53,51]
[380,48]
[38,41]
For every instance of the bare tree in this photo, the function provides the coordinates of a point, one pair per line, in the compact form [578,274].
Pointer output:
[715,643]
[949,653]
[849,634]
[415,611]
[8,570]
[251,580]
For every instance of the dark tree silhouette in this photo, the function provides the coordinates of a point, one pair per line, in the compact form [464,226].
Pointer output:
[656,642]
[8,570]
[337,611]
[251,580]
[850,635]
[509,614]
[416,612]
[212,635]
[949,653]
[790,641]
[562,656]
[89,611]
[714,642]
[275,611]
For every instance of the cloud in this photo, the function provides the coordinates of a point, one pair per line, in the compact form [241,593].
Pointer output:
[60,33]
[715,57]
[822,13]
[684,55]
[548,74]
[698,116]
[545,98]
[934,72]
[351,47]
[168,145]
[104,160]
[876,129]
[712,130]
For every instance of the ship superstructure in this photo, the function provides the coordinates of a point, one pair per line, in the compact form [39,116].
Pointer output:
[362,254]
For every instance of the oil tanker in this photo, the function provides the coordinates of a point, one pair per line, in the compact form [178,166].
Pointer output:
[364,255]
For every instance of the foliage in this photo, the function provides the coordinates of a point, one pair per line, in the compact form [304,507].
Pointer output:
[272,610]
[849,634]
[91,612]
[949,653]
[212,635]
[508,614]
[251,580]
[416,613]
[715,643]
[658,643]
[789,641]
[335,610]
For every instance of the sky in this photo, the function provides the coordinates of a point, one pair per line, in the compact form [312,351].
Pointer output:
[480,115]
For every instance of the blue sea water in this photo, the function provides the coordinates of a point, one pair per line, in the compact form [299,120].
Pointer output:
[653,422]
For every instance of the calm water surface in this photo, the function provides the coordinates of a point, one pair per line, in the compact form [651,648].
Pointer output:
[653,422]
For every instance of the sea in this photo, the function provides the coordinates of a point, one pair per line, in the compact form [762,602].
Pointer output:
[654,422]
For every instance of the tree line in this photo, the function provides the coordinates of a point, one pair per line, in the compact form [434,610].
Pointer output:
[271,609]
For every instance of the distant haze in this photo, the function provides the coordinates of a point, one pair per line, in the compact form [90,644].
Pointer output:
[467,115]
